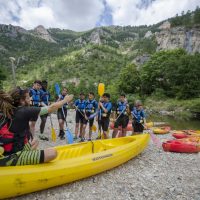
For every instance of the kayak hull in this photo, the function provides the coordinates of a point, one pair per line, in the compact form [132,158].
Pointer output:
[162,130]
[74,162]
[185,134]
[186,145]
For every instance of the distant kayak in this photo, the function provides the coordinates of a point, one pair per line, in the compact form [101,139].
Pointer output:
[186,145]
[185,133]
[162,130]
[129,127]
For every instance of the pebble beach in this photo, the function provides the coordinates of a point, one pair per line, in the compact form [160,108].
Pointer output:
[152,175]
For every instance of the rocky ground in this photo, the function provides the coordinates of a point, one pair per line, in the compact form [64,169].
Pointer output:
[153,175]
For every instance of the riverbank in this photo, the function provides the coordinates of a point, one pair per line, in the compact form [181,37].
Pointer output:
[154,174]
[173,107]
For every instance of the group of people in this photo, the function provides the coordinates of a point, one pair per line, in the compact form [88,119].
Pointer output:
[20,109]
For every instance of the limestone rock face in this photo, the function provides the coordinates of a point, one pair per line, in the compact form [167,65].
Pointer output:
[148,34]
[179,37]
[12,31]
[41,32]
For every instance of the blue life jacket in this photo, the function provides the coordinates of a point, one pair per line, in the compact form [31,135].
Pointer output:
[138,114]
[122,107]
[80,104]
[44,96]
[91,106]
[107,106]
[35,94]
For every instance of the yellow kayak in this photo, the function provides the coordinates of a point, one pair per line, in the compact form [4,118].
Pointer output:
[74,162]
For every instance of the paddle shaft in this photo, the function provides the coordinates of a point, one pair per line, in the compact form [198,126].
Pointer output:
[64,116]
[120,114]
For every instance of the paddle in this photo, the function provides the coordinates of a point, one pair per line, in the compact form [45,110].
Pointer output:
[69,135]
[120,114]
[76,108]
[53,132]
[101,89]
[154,139]
[57,89]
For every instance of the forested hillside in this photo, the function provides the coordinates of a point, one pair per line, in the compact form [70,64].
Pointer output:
[144,60]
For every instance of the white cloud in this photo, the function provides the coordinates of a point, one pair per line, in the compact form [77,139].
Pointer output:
[82,15]
[128,13]
[77,15]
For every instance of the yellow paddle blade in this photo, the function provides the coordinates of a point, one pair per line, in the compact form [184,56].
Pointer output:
[94,128]
[101,89]
[53,134]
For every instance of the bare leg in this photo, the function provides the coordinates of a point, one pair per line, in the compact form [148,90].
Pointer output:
[42,124]
[81,130]
[49,154]
[61,124]
[76,129]
[115,131]
[90,132]
[105,134]
[32,127]
[123,132]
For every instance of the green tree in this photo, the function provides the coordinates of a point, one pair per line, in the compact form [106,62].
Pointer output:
[129,79]
[2,78]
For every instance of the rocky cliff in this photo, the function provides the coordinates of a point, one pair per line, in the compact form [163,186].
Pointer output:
[41,32]
[179,37]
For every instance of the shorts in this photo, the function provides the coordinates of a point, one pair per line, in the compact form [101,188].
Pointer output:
[24,157]
[104,123]
[122,121]
[91,121]
[80,117]
[60,113]
[137,127]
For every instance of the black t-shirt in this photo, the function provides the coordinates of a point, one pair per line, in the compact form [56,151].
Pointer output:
[21,118]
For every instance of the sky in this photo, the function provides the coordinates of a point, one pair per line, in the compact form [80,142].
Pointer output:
[81,15]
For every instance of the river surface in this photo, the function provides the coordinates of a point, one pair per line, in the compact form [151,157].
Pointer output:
[176,124]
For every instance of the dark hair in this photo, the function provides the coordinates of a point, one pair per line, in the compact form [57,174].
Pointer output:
[44,82]
[8,101]
[106,95]
[17,94]
[122,95]
[82,93]
[37,81]
[92,93]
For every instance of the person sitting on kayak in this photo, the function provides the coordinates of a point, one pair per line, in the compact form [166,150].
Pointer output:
[91,106]
[122,111]
[139,121]
[105,107]
[80,116]
[62,114]
[20,148]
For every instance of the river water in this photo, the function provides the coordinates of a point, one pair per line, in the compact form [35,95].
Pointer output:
[176,124]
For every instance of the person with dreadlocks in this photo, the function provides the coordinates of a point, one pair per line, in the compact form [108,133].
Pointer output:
[20,148]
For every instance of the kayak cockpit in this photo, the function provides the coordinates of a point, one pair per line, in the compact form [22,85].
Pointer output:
[86,148]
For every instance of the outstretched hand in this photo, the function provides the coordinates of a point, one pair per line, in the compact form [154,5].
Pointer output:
[68,98]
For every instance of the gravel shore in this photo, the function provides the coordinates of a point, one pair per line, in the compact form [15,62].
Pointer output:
[153,175]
